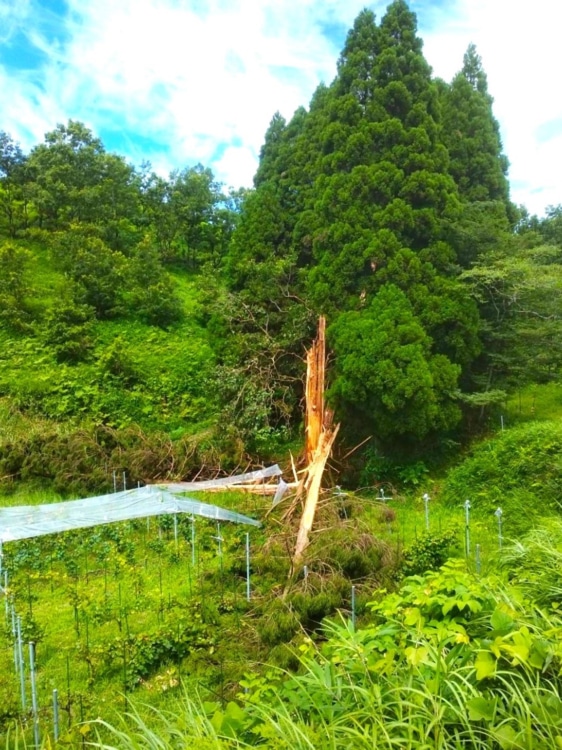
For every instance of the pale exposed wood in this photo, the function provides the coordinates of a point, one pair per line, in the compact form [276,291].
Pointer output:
[319,438]
[297,500]
[359,445]
[315,375]
[294,468]
[316,470]
[256,489]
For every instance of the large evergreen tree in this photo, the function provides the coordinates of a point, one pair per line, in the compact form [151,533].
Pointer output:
[388,380]
[353,196]
[471,133]
[477,163]
[384,185]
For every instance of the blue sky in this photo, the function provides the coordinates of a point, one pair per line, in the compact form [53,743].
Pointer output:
[178,82]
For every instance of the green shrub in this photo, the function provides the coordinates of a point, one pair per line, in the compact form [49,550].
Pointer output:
[450,661]
[351,551]
[279,625]
[83,460]
[429,552]
[68,330]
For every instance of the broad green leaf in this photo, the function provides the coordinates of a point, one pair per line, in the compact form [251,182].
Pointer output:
[481,709]
[506,737]
[519,653]
[485,665]
[501,622]
[413,617]
[416,655]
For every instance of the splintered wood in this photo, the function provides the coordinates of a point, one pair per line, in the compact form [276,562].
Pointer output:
[314,394]
[319,439]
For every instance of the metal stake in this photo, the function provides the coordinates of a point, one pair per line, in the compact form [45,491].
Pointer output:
[6,603]
[467,526]
[34,695]
[248,566]
[219,539]
[22,666]
[426,504]
[498,514]
[56,714]
[353,606]
[193,540]
[478,562]
[15,637]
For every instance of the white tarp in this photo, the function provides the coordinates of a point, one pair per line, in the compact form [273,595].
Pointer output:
[280,492]
[26,521]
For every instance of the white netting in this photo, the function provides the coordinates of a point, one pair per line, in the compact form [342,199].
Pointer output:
[25,521]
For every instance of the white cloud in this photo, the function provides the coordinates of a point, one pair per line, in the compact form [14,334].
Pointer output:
[12,17]
[192,80]
[521,53]
[239,161]
[192,76]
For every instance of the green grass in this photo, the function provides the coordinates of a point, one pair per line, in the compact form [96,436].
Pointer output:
[401,522]
[535,402]
[449,661]
[116,609]
[104,612]
[109,607]
[91,597]
[133,374]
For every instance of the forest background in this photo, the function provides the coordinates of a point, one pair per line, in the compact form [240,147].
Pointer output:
[157,326]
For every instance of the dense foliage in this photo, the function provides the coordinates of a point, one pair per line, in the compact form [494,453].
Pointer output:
[449,660]
[155,327]
[170,304]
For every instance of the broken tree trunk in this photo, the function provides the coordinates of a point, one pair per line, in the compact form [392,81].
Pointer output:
[314,394]
[319,439]
[315,472]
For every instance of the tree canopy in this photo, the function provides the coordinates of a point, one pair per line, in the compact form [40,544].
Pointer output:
[384,204]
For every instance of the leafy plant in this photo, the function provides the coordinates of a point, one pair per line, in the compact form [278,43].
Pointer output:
[429,552]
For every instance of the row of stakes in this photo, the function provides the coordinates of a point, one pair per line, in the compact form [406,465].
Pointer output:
[11,616]
[218,538]
[467,507]
[20,673]
[19,662]
[15,620]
